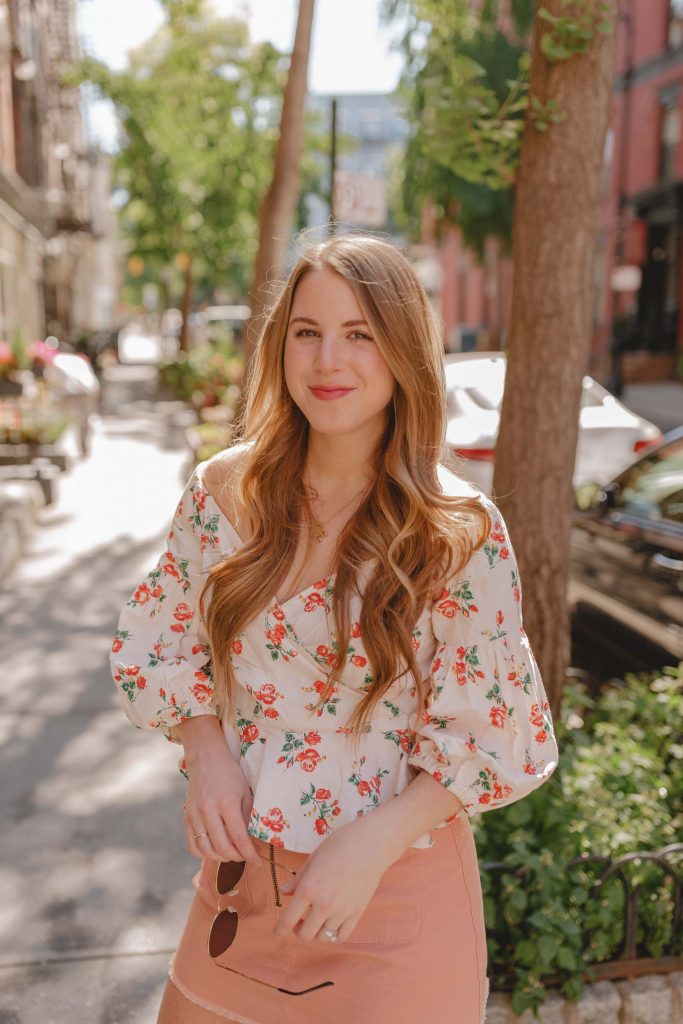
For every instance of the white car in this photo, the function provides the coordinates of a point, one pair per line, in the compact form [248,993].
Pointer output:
[610,435]
[219,321]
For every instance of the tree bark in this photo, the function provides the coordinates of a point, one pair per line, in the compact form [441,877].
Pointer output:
[183,340]
[279,203]
[554,246]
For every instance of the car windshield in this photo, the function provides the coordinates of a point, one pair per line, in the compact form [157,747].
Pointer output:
[482,380]
[654,486]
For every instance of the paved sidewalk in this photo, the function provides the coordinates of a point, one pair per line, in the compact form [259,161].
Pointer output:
[93,868]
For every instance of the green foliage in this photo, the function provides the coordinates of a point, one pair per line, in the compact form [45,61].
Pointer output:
[209,374]
[572,34]
[618,788]
[199,108]
[466,93]
[464,90]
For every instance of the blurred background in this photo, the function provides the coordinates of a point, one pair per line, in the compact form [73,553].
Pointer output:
[161,162]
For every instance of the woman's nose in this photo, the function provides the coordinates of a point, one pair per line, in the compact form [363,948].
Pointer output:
[329,352]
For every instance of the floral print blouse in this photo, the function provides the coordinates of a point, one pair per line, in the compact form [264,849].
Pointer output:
[486,732]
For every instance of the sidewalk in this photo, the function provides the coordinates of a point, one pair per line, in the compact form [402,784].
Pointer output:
[96,879]
[660,402]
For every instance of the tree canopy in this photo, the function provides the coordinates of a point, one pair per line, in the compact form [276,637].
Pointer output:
[199,108]
[465,92]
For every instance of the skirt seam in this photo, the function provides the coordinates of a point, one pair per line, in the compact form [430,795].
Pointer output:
[482,1007]
[225,1014]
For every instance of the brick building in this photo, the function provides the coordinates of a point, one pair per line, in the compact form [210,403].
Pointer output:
[637,282]
[58,251]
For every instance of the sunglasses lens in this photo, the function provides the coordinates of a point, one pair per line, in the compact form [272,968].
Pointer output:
[222,934]
[229,874]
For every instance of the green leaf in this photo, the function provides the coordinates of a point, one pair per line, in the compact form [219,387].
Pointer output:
[553,50]
[566,959]
[547,947]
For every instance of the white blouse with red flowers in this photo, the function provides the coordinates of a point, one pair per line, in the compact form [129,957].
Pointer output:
[486,732]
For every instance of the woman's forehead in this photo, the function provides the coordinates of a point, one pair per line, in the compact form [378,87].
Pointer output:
[327,292]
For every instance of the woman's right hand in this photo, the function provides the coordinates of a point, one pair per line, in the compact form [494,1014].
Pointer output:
[219,800]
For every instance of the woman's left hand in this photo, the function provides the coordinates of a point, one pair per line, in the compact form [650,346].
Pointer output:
[336,885]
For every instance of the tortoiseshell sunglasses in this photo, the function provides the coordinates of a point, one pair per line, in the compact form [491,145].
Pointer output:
[224,926]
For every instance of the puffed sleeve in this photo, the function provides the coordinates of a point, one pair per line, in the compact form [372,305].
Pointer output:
[160,659]
[487,732]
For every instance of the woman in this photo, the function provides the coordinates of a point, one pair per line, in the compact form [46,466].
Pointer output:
[334,634]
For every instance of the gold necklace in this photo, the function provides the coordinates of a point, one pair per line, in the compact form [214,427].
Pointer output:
[318,530]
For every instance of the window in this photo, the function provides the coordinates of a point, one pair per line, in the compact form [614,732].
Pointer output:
[654,487]
[675,30]
[670,137]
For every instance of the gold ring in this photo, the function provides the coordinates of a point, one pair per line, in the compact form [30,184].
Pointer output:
[200,835]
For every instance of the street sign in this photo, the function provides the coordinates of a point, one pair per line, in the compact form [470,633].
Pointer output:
[360,199]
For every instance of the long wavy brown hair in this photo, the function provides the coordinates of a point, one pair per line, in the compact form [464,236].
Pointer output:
[407,534]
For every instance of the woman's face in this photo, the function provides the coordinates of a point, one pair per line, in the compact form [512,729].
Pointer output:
[333,369]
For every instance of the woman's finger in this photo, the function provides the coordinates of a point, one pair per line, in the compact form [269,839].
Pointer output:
[190,839]
[221,839]
[343,930]
[312,925]
[236,828]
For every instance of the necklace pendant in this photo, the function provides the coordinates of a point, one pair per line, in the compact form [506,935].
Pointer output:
[318,531]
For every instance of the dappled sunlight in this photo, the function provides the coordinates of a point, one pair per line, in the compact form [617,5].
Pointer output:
[110,772]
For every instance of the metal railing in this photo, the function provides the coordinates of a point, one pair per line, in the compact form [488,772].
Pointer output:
[631,957]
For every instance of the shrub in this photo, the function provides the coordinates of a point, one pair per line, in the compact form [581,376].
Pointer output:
[618,789]
[209,374]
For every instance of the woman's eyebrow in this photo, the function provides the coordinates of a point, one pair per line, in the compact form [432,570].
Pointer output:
[307,320]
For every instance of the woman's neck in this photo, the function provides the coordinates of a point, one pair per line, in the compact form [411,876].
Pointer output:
[336,464]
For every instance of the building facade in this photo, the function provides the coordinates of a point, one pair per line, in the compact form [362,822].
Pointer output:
[58,247]
[639,266]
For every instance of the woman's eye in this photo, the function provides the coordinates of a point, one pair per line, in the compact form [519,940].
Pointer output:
[304,331]
[362,335]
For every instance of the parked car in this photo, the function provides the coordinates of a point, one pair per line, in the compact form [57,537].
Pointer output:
[219,323]
[75,382]
[627,548]
[609,433]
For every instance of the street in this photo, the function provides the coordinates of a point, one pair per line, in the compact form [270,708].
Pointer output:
[95,876]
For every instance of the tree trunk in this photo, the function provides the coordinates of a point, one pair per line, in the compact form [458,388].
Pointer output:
[554,246]
[183,341]
[279,203]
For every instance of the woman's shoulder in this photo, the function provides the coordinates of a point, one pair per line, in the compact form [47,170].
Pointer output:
[218,476]
[456,486]
[224,467]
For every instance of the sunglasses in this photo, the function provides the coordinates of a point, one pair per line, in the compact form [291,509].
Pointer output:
[224,926]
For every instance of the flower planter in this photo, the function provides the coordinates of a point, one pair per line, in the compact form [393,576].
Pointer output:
[21,454]
[10,388]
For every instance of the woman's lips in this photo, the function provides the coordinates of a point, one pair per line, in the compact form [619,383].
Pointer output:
[326,394]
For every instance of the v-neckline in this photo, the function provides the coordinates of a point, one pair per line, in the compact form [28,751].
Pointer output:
[276,601]
[325,580]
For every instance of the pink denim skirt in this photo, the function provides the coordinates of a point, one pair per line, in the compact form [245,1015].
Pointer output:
[418,951]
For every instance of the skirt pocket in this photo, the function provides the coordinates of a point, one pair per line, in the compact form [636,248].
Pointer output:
[394,914]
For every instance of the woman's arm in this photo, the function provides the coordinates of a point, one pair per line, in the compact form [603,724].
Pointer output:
[219,800]
[395,825]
